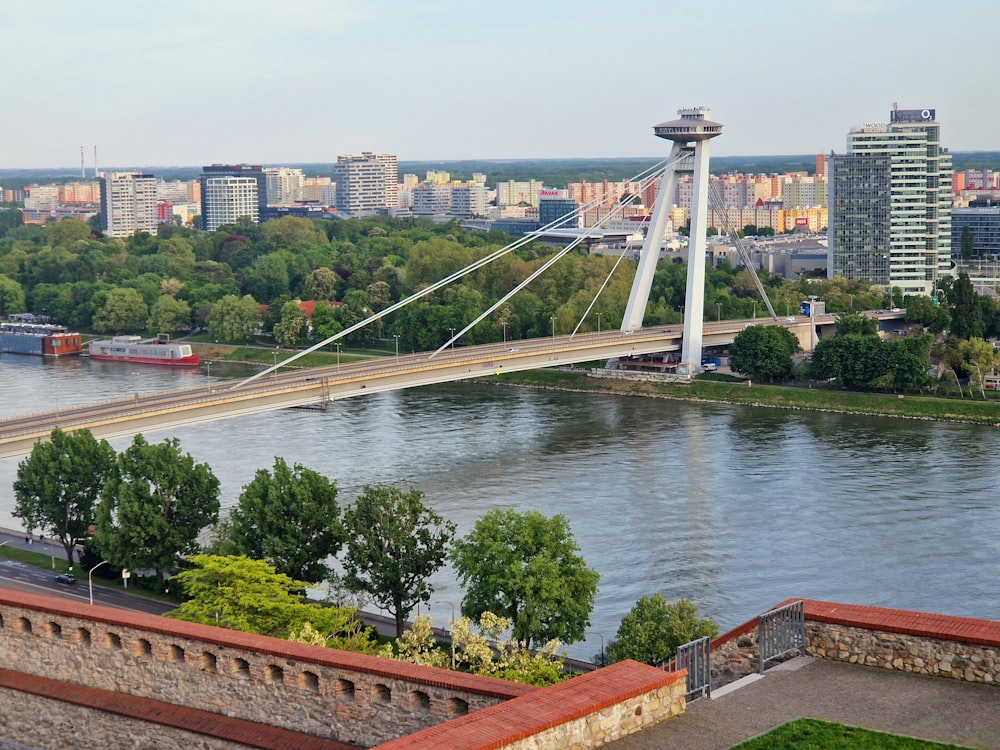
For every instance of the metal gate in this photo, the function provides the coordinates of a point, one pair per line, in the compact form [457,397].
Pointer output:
[695,657]
[780,631]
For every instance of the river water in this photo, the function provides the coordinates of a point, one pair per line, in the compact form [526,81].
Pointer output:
[736,508]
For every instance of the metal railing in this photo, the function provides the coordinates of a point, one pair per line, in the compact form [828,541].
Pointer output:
[781,631]
[695,657]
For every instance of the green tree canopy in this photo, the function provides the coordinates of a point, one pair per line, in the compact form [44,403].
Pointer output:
[394,544]
[653,629]
[169,314]
[234,318]
[526,567]
[156,506]
[854,324]
[853,360]
[11,297]
[289,517]
[966,313]
[764,352]
[123,310]
[249,595]
[59,485]
[290,329]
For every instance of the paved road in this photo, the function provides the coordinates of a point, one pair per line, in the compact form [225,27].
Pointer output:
[19,575]
[929,708]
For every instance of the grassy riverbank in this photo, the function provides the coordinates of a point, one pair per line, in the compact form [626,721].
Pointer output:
[775,396]
[715,388]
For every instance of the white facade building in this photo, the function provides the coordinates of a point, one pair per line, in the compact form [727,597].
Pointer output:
[128,204]
[367,183]
[228,199]
[284,184]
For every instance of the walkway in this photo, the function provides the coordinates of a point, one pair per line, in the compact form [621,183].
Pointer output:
[929,708]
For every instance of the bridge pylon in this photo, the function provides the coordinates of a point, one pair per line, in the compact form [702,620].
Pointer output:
[689,154]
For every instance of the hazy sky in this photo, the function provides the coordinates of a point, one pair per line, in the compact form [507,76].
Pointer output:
[193,82]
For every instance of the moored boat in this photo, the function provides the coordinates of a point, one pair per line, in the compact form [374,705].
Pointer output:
[158,351]
[38,338]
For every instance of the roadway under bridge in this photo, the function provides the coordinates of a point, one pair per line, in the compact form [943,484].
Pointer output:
[319,386]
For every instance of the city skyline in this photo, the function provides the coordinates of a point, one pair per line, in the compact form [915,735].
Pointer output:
[249,82]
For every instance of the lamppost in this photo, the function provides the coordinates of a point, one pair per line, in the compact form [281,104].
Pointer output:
[599,322]
[553,319]
[452,339]
[208,364]
[396,336]
[718,312]
[90,579]
[337,344]
[505,333]
[274,354]
[135,386]
[755,309]
[601,636]
[451,625]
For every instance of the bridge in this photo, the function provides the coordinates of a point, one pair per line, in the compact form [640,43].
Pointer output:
[321,385]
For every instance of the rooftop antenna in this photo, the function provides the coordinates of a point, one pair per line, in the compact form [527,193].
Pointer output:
[95,161]
[83,174]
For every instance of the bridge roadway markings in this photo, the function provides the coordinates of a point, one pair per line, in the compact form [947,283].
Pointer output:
[166,410]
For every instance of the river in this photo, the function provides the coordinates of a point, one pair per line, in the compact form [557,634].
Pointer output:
[734,507]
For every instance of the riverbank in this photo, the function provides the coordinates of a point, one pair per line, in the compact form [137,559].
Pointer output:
[722,390]
[823,399]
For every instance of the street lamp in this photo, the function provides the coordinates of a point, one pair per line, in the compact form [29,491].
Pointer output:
[599,322]
[505,333]
[451,624]
[135,386]
[553,326]
[718,312]
[274,354]
[601,636]
[452,339]
[90,579]
[396,336]
[338,355]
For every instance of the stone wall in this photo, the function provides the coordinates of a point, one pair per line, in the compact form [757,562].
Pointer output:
[586,712]
[326,693]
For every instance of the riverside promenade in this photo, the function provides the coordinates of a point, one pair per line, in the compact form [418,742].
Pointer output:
[929,708]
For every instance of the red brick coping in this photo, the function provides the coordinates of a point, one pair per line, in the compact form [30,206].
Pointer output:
[544,709]
[906,622]
[249,733]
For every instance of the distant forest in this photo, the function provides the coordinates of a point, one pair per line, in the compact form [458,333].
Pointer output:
[551,172]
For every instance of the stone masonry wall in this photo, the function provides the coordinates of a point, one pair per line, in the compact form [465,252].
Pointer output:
[326,693]
[906,653]
[610,724]
[39,722]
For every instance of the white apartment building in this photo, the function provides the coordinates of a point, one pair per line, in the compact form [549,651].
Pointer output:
[128,204]
[469,200]
[284,184]
[512,193]
[228,199]
[367,183]
[41,197]
[890,204]
[431,199]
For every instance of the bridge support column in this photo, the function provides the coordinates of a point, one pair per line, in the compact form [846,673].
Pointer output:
[692,127]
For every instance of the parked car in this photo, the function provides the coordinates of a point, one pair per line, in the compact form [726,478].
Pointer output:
[64,578]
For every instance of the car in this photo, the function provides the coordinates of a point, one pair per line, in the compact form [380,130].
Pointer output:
[710,367]
[64,578]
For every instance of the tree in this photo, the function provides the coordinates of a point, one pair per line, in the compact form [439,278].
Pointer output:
[764,352]
[321,284]
[249,595]
[854,324]
[155,507]
[526,567]
[11,297]
[653,629]
[123,310]
[394,544]
[234,318]
[966,313]
[291,328]
[854,360]
[291,518]
[58,486]
[169,314]
[967,243]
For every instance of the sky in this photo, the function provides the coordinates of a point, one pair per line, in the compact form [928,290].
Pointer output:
[192,82]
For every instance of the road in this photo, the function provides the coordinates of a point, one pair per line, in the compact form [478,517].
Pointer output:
[24,577]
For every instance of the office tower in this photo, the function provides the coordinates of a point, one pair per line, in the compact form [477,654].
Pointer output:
[556,208]
[128,204]
[227,199]
[244,171]
[890,204]
[367,183]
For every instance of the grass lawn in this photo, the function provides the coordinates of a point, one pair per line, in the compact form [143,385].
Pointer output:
[812,734]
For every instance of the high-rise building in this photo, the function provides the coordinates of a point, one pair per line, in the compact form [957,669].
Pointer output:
[284,185]
[128,204]
[227,199]
[890,204]
[367,183]
[245,171]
